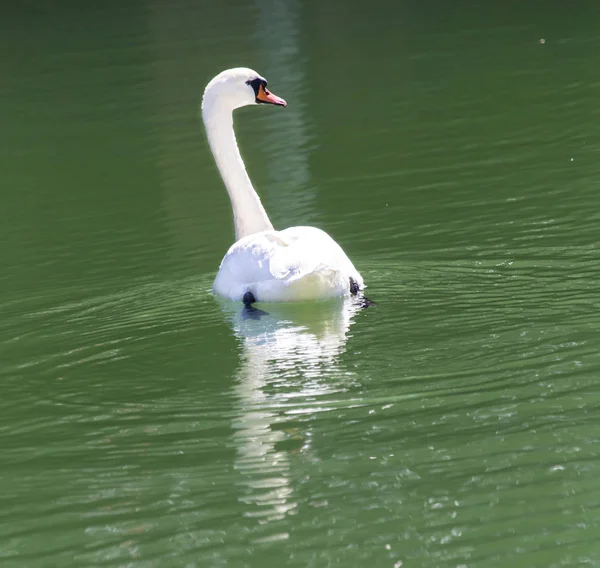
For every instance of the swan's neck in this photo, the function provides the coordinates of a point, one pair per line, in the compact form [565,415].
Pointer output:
[249,215]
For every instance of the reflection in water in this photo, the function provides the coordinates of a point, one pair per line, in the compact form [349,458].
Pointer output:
[289,360]
[287,354]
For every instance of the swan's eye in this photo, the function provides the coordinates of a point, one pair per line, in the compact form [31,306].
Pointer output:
[255,84]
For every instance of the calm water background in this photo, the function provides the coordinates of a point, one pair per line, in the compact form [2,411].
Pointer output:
[455,157]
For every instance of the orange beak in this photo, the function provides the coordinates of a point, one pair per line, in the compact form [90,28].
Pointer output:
[265,96]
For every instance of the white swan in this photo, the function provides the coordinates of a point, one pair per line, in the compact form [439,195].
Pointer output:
[265,265]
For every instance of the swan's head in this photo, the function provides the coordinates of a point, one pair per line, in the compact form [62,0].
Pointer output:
[238,87]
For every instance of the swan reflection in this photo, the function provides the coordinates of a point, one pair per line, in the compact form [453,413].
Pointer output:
[289,361]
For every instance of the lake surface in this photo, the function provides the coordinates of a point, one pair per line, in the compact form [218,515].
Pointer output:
[452,149]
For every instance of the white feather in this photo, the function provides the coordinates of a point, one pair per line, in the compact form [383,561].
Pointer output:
[299,263]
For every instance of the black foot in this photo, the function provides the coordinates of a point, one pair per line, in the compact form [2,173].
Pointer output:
[365,302]
[354,290]
[248,299]
[250,312]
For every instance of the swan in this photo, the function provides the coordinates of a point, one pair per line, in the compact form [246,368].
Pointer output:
[265,265]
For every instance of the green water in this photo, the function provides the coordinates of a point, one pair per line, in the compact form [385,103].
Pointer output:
[455,157]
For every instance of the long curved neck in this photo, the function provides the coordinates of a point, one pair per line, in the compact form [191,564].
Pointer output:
[249,215]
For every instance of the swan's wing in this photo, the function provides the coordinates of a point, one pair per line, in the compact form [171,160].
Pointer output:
[249,259]
[311,251]
[279,265]
[300,256]
[270,255]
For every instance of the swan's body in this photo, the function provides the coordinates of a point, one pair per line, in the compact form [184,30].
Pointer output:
[299,263]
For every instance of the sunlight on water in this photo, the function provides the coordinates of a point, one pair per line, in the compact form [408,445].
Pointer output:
[450,152]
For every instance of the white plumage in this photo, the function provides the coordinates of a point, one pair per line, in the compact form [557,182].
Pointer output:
[299,263]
